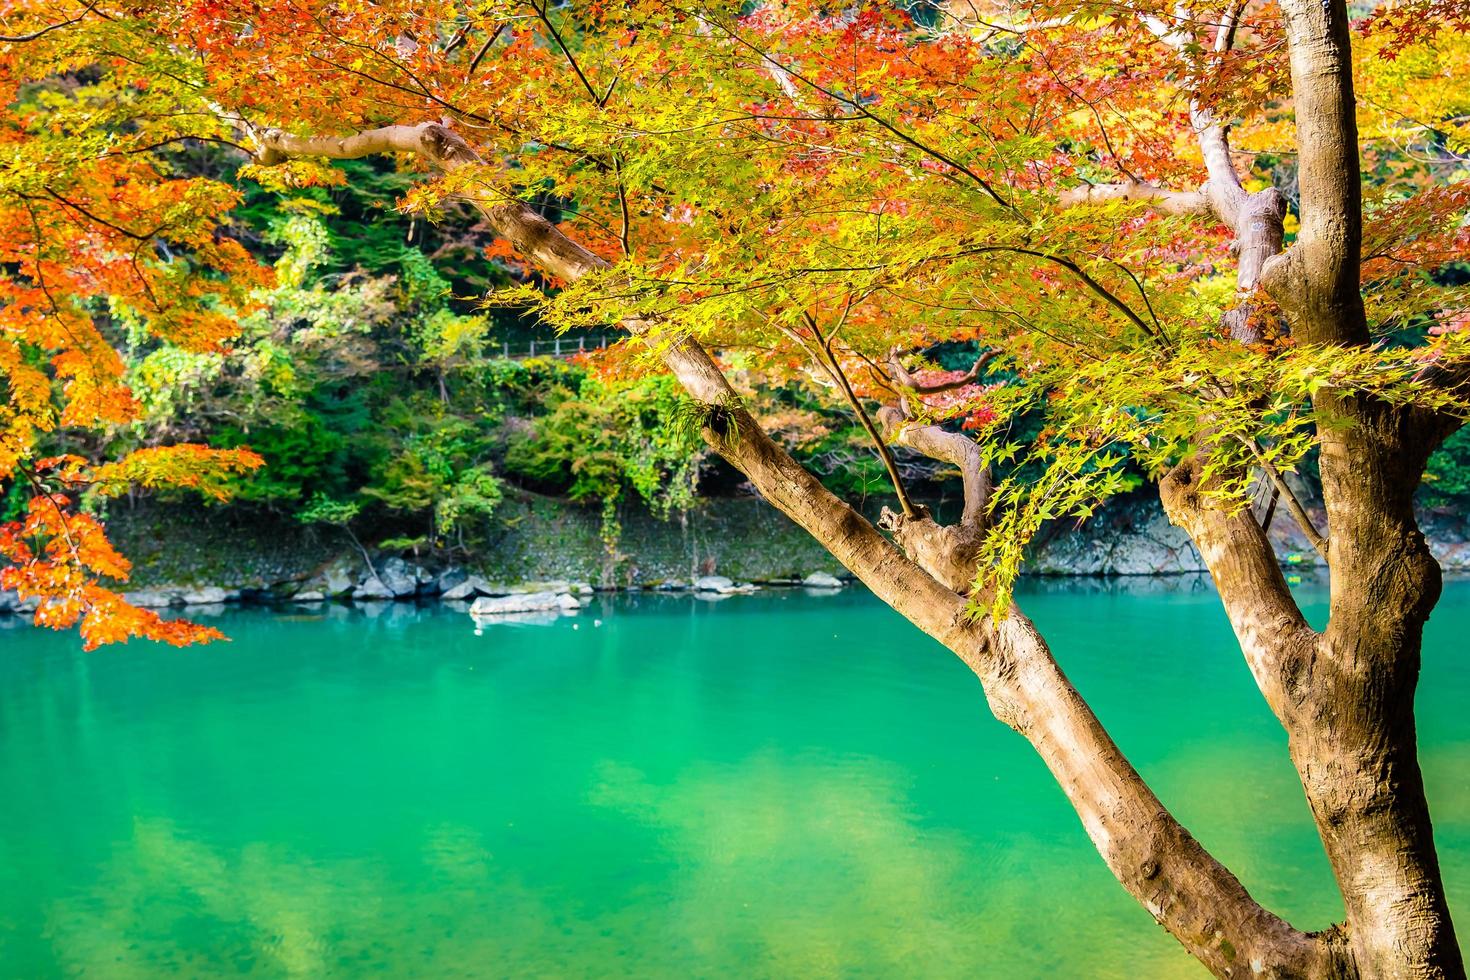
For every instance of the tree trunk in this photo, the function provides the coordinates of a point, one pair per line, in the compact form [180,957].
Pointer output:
[1352,731]
[1345,696]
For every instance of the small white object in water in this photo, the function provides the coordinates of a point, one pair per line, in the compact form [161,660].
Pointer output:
[575,625]
[597,622]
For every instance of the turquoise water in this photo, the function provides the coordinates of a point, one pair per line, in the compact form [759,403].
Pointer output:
[774,785]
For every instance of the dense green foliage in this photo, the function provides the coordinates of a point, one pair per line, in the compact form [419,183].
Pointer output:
[373,384]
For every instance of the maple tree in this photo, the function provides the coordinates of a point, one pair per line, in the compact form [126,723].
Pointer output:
[1211,241]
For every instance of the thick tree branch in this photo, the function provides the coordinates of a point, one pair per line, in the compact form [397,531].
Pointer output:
[1168,201]
[1273,634]
[1256,220]
[903,377]
[936,442]
[1317,280]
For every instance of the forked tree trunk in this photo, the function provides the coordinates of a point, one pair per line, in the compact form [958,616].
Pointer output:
[1345,696]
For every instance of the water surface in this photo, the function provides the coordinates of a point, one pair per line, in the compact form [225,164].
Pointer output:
[773,785]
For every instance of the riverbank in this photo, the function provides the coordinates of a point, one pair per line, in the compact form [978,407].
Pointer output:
[184,555]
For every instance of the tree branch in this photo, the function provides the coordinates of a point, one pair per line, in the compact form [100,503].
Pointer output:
[839,377]
[1272,632]
[1293,502]
[903,377]
[1317,281]
[38,34]
[1168,201]
[868,114]
[541,12]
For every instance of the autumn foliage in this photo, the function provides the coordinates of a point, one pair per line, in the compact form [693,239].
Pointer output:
[808,188]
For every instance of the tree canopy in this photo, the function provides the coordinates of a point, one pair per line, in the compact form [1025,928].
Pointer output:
[1202,244]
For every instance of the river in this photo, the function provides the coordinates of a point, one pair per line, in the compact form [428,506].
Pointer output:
[782,784]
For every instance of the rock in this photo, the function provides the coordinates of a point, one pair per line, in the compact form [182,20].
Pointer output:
[482,587]
[714,583]
[11,602]
[526,602]
[451,578]
[400,578]
[1453,556]
[463,590]
[720,585]
[151,598]
[822,580]
[582,588]
[569,603]
[474,586]
[337,580]
[208,595]
[428,582]
[372,590]
[1127,540]
[310,595]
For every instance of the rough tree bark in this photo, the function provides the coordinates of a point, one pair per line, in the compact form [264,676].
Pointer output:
[1345,696]
[949,552]
[1352,728]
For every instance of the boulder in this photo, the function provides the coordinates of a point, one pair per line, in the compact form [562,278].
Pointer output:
[720,585]
[525,602]
[451,578]
[822,580]
[399,577]
[500,588]
[461,590]
[337,580]
[208,595]
[310,595]
[372,590]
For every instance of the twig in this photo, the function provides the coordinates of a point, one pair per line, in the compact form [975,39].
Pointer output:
[884,453]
